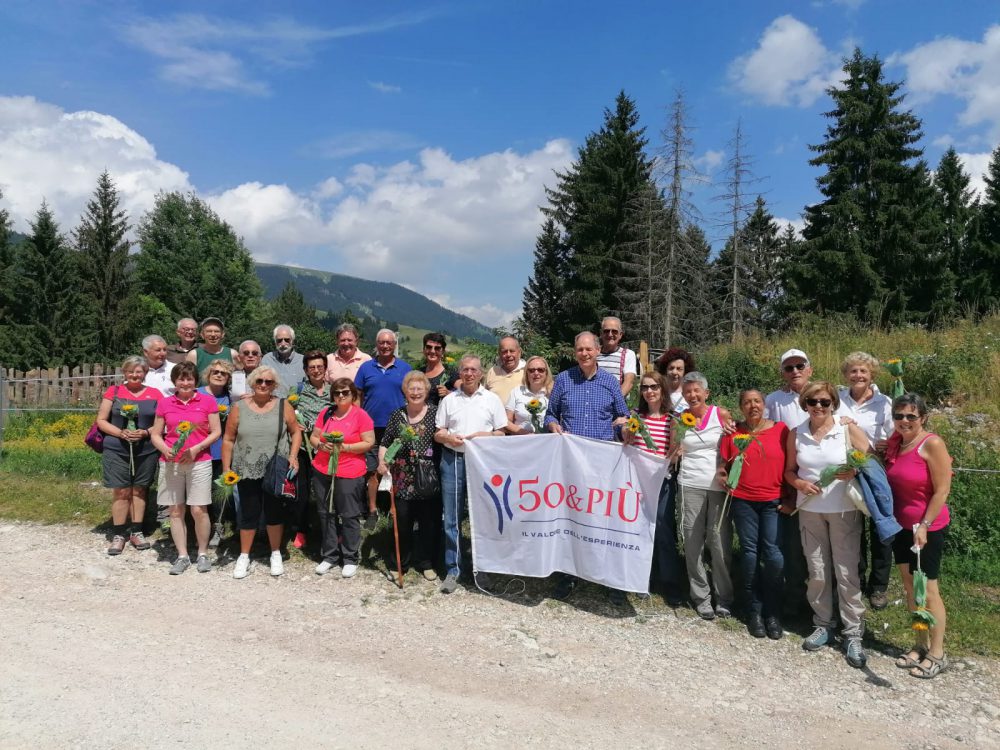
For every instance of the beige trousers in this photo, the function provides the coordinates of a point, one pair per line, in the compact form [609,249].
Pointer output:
[831,543]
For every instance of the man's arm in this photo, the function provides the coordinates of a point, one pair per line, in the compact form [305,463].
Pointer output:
[553,413]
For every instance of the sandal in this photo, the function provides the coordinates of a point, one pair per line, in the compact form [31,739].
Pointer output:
[908,662]
[937,667]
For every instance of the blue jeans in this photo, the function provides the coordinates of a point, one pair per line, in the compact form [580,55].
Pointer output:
[669,566]
[761,560]
[453,496]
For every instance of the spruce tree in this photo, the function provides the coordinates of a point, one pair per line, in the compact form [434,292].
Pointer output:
[104,255]
[981,286]
[544,303]
[642,268]
[955,212]
[6,265]
[861,238]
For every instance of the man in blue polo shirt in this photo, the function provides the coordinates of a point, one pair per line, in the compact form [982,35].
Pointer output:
[380,381]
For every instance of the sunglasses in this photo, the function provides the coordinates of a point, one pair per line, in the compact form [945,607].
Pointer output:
[536,369]
[341,394]
[907,417]
[433,347]
[219,372]
[283,340]
[793,368]
[250,354]
[824,402]
[265,382]
[610,331]
[645,387]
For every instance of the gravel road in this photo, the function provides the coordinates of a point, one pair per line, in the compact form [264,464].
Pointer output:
[113,652]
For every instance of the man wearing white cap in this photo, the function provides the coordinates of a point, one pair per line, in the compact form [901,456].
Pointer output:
[783,405]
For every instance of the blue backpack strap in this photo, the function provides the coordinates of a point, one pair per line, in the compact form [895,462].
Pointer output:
[299,387]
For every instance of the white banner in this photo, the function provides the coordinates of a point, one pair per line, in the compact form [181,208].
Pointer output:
[545,503]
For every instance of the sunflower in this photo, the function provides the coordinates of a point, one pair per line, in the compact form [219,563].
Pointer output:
[230,478]
[688,419]
[534,404]
[293,398]
[633,425]
[184,426]
[859,456]
[129,410]
[223,409]
[920,626]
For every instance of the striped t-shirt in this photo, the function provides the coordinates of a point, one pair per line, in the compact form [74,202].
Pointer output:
[659,430]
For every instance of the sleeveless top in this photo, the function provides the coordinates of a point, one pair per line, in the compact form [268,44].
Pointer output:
[912,488]
[255,438]
[699,462]
[203,358]
[812,457]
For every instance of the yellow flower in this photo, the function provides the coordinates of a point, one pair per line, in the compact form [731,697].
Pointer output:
[293,398]
[534,404]
[688,419]
[633,424]
[223,409]
[230,478]
[858,455]
[129,409]
[919,626]
[184,426]
[893,361]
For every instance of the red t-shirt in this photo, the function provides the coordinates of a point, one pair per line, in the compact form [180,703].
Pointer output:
[196,411]
[763,463]
[356,421]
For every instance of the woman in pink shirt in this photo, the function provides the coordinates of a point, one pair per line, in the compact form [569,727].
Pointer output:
[186,473]
[919,470]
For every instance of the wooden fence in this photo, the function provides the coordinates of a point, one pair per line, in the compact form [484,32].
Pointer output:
[79,387]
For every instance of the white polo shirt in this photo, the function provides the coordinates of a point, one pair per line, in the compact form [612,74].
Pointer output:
[783,406]
[463,414]
[160,378]
[874,416]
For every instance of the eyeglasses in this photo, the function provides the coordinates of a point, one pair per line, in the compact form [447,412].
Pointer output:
[907,417]
[266,382]
[341,394]
[433,347]
[645,387]
[187,330]
[250,354]
[824,402]
[798,366]
[536,369]
[218,372]
[611,331]
[281,339]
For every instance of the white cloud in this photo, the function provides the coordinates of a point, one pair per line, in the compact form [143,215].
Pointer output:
[797,224]
[967,70]
[461,227]
[360,142]
[789,66]
[976,165]
[490,316]
[708,161]
[385,88]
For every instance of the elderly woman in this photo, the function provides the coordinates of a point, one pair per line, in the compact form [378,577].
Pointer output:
[340,528]
[219,376]
[674,364]
[919,470]
[536,385]
[829,523]
[186,425]
[756,505]
[259,428]
[871,410]
[125,416]
[441,378]
[415,455]
[703,525]
[312,395]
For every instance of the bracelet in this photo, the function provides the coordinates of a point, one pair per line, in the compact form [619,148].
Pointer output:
[925,522]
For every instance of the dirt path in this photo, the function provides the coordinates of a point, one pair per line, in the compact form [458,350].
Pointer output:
[113,652]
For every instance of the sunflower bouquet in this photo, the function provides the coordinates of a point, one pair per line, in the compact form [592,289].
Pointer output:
[226,484]
[682,423]
[223,412]
[130,412]
[335,440]
[856,460]
[293,399]
[183,431]
[742,441]
[535,409]
[895,368]
[922,620]
[637,426]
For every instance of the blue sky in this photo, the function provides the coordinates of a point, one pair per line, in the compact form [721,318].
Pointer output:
[411,142]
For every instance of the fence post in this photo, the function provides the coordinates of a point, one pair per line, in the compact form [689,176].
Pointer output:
[3,405]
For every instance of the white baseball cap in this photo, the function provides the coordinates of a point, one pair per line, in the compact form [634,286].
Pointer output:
[792,353]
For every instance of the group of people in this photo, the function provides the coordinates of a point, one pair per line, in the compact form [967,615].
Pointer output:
[287,428]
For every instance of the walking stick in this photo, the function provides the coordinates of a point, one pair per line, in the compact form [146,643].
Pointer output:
[395,533]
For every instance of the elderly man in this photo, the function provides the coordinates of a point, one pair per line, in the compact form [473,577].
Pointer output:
[212,332]
[249,360]
[380,382]
[187,340]
[467,413]
[345,362]
[586,401]
[504,377]
[615,359]
[783,405]
[154,349]
[284,359]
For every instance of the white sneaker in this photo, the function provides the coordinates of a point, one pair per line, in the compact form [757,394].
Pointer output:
[349,570]
[323,568]
[277,567]
[243,565]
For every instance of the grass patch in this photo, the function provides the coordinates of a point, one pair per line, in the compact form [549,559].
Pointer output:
[52,500]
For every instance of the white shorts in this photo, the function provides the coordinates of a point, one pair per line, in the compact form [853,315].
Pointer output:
[181,484]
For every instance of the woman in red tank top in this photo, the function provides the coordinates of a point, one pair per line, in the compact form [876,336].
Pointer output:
[919,470]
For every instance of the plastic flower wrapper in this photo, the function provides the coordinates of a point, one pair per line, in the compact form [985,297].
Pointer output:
[742,441]
[534,407]
[131,414]
[856,460]
[895,368]
[225,485]
[637,426]
[335,439]
[406,435]
[184,429]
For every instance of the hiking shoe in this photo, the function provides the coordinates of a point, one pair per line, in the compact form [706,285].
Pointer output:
[879,600]
[277,566]
[349,570]
[324,567]
[449,584]
[180,565]
[855,653]
[299,541]
[138,540]
[204,565]
[242,568]
[117,545]
[216,536]
[723,612]
[429,574]
[755,626]
[705,611]
[564,587]
[773,627]
[819,638]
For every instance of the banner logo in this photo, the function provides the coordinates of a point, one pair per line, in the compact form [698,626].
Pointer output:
[496,480]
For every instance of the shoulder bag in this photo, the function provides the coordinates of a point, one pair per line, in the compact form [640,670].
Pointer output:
[276,471]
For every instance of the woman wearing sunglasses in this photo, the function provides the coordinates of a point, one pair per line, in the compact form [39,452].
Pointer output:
[441,378]
[313,393]
[254,431]
[829,523]
[919,470]
[535,386]
[218,375]
[340,530]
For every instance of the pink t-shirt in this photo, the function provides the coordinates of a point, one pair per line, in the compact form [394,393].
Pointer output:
[195,411]
[355,422]
[912,488]
[120,391]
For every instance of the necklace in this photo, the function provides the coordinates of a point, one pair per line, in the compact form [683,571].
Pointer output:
[904,446]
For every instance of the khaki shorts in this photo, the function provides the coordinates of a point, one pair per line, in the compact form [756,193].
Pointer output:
[181,484]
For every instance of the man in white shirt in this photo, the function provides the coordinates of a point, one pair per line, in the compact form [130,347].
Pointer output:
[154,349]
[783,405]
[508,374]
[467,413]
[614,358]
[250,354]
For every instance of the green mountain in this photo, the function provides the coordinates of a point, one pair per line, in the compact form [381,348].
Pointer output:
[334,292]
